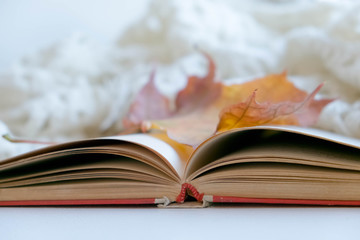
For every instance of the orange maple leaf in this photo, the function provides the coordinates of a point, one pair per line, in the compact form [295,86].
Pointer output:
[252,113]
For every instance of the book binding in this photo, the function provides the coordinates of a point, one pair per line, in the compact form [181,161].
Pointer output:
[188,189]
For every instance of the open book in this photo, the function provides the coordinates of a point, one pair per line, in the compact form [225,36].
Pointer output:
[266,164]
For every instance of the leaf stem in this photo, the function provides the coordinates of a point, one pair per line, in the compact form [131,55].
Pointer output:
[16,140]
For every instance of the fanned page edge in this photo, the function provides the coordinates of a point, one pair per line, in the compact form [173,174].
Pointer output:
[157,146]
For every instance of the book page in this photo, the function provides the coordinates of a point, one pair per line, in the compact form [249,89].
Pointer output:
[133,166]
[214,147]
[321,134]
[168,153]
[161,153]
[287,148]
[277,162]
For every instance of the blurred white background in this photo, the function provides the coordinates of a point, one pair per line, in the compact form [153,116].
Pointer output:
[27,26]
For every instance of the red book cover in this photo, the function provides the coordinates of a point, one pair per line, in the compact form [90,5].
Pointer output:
[187,189]
[81,202]
[228,199]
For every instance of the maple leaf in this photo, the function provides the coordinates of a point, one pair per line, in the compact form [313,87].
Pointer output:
[252,113]
[150,104]
[197,107]
[273,88]
[280,103]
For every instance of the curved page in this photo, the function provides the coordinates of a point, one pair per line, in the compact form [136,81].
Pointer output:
[213,148]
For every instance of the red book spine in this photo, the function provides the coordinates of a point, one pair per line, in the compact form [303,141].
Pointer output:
[221,199]
[79,202]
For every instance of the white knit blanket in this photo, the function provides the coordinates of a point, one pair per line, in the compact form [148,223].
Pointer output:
[75,89]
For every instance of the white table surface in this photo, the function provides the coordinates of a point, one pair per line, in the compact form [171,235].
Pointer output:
[26,26]
[243,222]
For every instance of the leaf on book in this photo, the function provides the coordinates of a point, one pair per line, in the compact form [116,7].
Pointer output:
[281,104]
[190,129]
[199,106]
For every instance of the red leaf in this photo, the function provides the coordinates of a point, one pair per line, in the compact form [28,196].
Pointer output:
[149,104]
[199,91]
